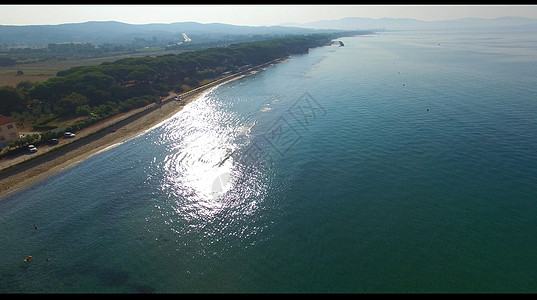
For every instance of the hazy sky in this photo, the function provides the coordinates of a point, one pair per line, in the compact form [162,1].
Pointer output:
[253,15]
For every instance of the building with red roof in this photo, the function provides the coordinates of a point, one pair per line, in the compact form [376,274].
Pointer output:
[8,131]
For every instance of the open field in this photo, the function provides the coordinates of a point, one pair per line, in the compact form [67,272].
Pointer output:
[41,71]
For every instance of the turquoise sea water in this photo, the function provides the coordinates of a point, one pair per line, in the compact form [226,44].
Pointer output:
[401,162]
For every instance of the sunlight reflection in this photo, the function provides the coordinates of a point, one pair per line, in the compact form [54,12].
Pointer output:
[200,172]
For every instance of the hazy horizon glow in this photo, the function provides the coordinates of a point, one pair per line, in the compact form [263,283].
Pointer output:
[250,15]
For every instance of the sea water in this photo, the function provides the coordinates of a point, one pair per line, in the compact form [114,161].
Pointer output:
[400,162]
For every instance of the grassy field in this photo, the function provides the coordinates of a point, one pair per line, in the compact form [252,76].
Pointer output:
[41,71]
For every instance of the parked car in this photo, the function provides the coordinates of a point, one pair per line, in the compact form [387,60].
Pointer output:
[53,141]
[68,134]
[32,149]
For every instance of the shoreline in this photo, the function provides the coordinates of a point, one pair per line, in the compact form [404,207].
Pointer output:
[23,175]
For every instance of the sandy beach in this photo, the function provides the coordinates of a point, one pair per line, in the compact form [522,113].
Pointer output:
[94,139]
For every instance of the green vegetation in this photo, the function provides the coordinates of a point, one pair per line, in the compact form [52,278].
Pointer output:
[63,51]
[94,92]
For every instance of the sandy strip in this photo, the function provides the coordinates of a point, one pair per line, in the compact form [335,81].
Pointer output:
[103,137]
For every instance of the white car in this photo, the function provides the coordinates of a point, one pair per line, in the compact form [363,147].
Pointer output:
[32,149]
[69,134]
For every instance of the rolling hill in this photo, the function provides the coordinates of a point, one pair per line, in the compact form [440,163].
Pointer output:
[101,32]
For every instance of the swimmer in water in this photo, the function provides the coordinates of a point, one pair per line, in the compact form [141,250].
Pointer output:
[28,259]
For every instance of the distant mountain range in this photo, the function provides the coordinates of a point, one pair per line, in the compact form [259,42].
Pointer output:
[100,32]
[112,32]
[514,23]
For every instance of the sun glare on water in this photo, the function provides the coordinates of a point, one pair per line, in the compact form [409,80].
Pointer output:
[202,176]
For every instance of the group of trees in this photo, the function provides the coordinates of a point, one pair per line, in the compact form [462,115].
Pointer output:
[132,82]
[10,56]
